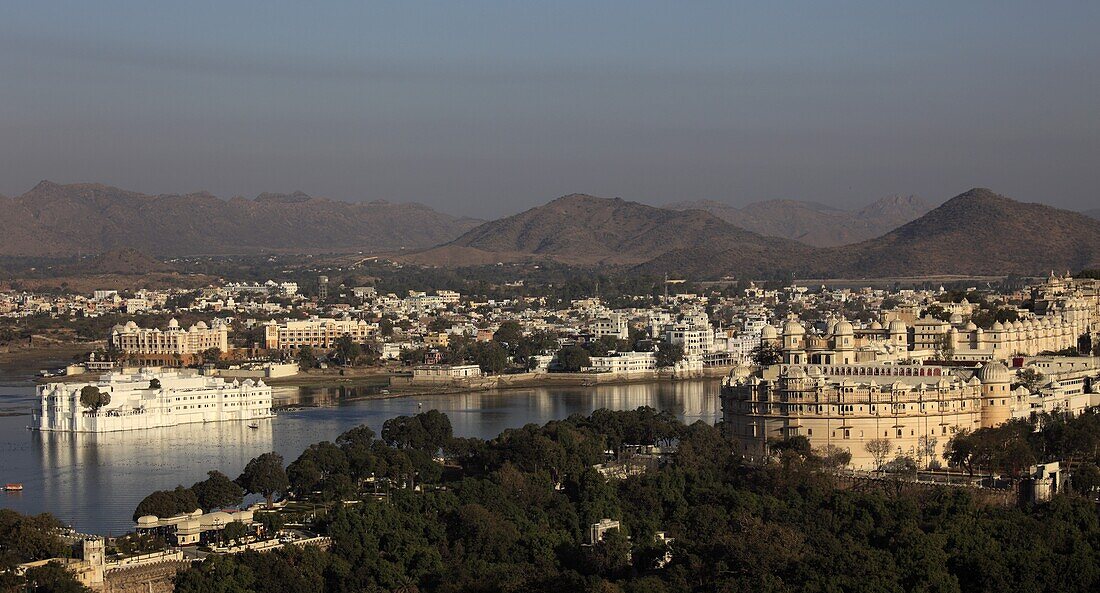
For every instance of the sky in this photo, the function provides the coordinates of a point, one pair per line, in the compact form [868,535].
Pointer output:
[488,108]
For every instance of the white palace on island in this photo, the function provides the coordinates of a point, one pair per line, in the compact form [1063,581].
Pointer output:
[151,399]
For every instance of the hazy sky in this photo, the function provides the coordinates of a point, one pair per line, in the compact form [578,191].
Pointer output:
[487,108]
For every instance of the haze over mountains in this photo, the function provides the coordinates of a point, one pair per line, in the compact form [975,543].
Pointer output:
[977,232]
[815,224]
[53,219]
[586,230]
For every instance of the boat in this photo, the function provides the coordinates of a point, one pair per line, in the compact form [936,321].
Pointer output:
[13,487]
[253,426]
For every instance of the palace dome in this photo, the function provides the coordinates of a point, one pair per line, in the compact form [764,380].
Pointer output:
[994,372]
[793,328]
[844,328]
[768,333]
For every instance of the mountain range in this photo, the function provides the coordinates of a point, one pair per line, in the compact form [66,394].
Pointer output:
[813,223]
[585,230]
[978,232]
[55,220]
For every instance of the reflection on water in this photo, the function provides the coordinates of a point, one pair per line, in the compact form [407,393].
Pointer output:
[95,481]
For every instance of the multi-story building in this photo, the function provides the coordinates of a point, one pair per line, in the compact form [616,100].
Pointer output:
[695,340]
[315,332]
[625,362]
[878,411]
[172,346]
[615,325]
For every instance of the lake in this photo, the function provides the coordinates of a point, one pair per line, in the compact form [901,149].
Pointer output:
[94,482]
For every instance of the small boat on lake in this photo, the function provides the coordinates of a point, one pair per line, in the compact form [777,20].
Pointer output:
[13,487]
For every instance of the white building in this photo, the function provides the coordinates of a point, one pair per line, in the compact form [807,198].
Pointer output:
[615,325]
[151,399]
[695,340]
[624,362]
[314,332]
[172,346]
[446,372]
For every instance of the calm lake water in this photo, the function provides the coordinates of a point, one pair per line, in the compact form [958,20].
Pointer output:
[94,482]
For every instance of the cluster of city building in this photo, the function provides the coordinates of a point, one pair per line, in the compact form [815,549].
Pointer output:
[891,388]
[852,365]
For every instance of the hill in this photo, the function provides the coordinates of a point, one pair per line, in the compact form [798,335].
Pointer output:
[980,232]
[124,261]
[54,219]
[976,233]
[816,224]
[1094,213]
[586,230]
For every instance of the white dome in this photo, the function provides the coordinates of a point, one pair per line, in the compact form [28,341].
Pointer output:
[173,324]
[897,326]
[994,372]
[844,328]
[768,333]
[793,328]
[876,325]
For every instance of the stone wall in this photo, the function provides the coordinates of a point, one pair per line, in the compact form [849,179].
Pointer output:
[148,578]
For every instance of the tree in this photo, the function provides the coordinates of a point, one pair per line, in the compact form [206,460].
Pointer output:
[92,398]
[879,450]
[1030,378]
[834,456]
[766,353]
[945,348]
[154,384]
[385,327]
[306,358]
[52,577]
[572,359]
[234,530]
[218,491]
[491,357]
[211,355]
[669,354]
[509,334]
[27,538]
[1086,479]
[264,475]
[346,350]
[167,503]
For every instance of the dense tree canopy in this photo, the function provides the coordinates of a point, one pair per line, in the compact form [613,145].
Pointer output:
[515,510]
[168,503]
[264,475]
[217,491]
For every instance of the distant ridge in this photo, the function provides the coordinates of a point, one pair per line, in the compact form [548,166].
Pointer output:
[54,219]
[587,230]
[1094,213]
[816,224]
[978,232]
[981,232]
